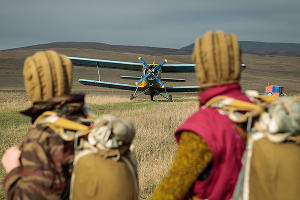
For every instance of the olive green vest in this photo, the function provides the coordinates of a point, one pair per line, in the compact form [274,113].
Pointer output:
[274,171]
[103,175]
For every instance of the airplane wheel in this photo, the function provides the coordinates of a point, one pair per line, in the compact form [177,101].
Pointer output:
[170,98]
[151,97]
[131,97]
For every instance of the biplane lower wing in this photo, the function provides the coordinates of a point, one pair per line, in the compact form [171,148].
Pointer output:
[183,89]
[107,84]
[106,63]
[133,87]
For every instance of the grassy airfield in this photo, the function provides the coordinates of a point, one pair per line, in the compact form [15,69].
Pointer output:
[155,123]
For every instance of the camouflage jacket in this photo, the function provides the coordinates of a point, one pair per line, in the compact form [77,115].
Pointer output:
[46,159]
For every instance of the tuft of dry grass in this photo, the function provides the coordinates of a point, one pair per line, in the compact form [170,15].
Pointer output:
[13,101]
[100,99]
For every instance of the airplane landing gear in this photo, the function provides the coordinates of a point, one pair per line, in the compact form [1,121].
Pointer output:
[170,98]
[151,97]
[131,97]
[135,94]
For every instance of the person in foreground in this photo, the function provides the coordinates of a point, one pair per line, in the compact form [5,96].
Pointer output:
[210,147]
[40,167]
[66,146]
[272,156]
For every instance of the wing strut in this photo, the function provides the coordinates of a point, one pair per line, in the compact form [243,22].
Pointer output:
[135,95]
[98,69]
[166,95]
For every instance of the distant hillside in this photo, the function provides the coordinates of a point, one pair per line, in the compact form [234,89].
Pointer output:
[261,69]
[263,48]
[154,51]
[284,49]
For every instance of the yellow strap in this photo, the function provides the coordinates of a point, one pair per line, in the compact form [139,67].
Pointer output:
[231,103]
[70,125]
[59,125]
[60,122]
[232,108]
[43,116]
[267,99]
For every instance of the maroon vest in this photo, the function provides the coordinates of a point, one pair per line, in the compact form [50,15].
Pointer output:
[224,140]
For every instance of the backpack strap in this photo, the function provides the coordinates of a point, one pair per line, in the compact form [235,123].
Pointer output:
[238,111]
[68,130]
[132,170]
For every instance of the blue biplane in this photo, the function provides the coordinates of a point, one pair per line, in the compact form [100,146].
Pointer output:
[150,83]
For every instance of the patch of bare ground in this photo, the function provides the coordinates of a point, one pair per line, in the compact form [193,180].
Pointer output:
[100,99]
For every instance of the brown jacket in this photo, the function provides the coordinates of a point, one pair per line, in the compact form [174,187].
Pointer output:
[46,159]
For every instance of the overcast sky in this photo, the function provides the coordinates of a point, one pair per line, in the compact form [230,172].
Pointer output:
[157,23]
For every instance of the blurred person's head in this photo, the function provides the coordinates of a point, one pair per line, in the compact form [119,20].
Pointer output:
[47,74]
[217,58]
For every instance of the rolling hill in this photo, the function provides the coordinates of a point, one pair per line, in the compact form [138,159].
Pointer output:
[252,47]
[154,51]
[264,48]
[261,69]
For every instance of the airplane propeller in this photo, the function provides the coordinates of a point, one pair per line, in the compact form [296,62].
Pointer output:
[144,63]
[160,65]
[143,78]
[158,81]
[151,72]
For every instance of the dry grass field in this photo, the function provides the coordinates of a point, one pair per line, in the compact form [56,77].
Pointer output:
[155,121]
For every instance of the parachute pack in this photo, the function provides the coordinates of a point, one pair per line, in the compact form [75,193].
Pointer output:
[272,128]
[104,166]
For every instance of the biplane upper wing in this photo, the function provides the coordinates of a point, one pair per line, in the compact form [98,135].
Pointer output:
[181,68]
[178,68]
[106,63]
[183,89]
[107,84]
[167,68]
